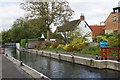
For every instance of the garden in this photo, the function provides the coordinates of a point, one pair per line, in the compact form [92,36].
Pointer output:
[79,45]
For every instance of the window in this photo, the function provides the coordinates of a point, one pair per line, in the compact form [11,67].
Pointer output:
[114,18]
[116,32]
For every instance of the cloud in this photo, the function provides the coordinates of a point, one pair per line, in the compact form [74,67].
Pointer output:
[8,13]
[95,11]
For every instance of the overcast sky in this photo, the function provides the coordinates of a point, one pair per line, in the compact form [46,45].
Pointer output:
[95,11]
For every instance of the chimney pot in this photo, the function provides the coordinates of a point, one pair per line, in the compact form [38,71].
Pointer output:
[82,17]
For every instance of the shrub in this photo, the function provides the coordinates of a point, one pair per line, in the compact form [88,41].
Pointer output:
[91,50]
[69,47]
[23,42]
[55,44]
[76,42]
[80,46]
[101,39]
[60,46]
[113,41]
[45,44]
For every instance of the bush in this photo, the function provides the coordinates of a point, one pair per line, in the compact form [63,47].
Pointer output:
[80,47]
[113,41]
[23,42]
[60,46]
[45,44]
[101,39]
[55,44]
[91,50]
[69,47]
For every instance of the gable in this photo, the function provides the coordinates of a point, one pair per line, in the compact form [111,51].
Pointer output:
[84,27]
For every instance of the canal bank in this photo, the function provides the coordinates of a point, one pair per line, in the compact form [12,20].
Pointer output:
[87,61]
[21,71]
[54,68]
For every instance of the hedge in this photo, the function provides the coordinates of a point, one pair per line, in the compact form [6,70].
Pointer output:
[24,41]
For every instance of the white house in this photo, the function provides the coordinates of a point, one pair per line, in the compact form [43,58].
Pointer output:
[80,24]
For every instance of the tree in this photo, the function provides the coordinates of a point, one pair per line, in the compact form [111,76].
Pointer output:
[50,12]
[20,30]
[36,28]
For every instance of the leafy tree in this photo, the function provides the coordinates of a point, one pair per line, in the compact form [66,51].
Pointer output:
[50,12]
[36,28]
[6,36]
[20,30]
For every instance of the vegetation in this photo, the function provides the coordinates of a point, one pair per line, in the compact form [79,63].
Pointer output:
[24,41]
[45,44]
[113,40]
[49,12]
[68,47]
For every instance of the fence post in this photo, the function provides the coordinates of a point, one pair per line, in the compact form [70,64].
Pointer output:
[101,53]
[105,53]
[117,54]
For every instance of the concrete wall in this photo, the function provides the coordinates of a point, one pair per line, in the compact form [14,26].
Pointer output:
[101,64]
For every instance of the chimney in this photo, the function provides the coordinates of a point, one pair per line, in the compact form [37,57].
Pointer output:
[82,17]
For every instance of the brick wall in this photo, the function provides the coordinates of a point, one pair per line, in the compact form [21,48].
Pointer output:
[110,25]
[34,44]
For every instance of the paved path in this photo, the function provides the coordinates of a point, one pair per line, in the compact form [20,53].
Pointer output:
[12,72]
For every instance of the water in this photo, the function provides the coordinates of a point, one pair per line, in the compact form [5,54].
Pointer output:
[60,69]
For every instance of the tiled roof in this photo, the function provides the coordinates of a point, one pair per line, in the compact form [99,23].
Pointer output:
[69,26]
[96,29]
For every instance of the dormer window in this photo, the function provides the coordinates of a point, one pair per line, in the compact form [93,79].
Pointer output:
[114,18]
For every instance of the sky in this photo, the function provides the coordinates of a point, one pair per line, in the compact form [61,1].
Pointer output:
[95,11]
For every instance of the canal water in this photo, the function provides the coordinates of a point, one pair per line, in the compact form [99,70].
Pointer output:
[60,69]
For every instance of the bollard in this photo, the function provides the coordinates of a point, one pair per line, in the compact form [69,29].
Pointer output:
[36,52]
[42,77]
[59,57]
[6,54]
[72,58]
[91,60]
[118,60]
[42,53]
[21,63]
[97,58]
[105,58]
[50,55]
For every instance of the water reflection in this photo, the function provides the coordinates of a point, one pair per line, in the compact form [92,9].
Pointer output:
[60,69]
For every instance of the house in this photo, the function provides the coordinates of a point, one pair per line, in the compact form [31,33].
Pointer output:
[97,29]
[79,24]
[112,23]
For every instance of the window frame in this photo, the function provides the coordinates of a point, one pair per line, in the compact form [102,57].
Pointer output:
[114,19]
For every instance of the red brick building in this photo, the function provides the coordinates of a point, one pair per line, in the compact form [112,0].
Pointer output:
[112,23]
[97,29]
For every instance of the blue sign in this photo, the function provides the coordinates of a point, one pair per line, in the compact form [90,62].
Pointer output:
[104,44]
